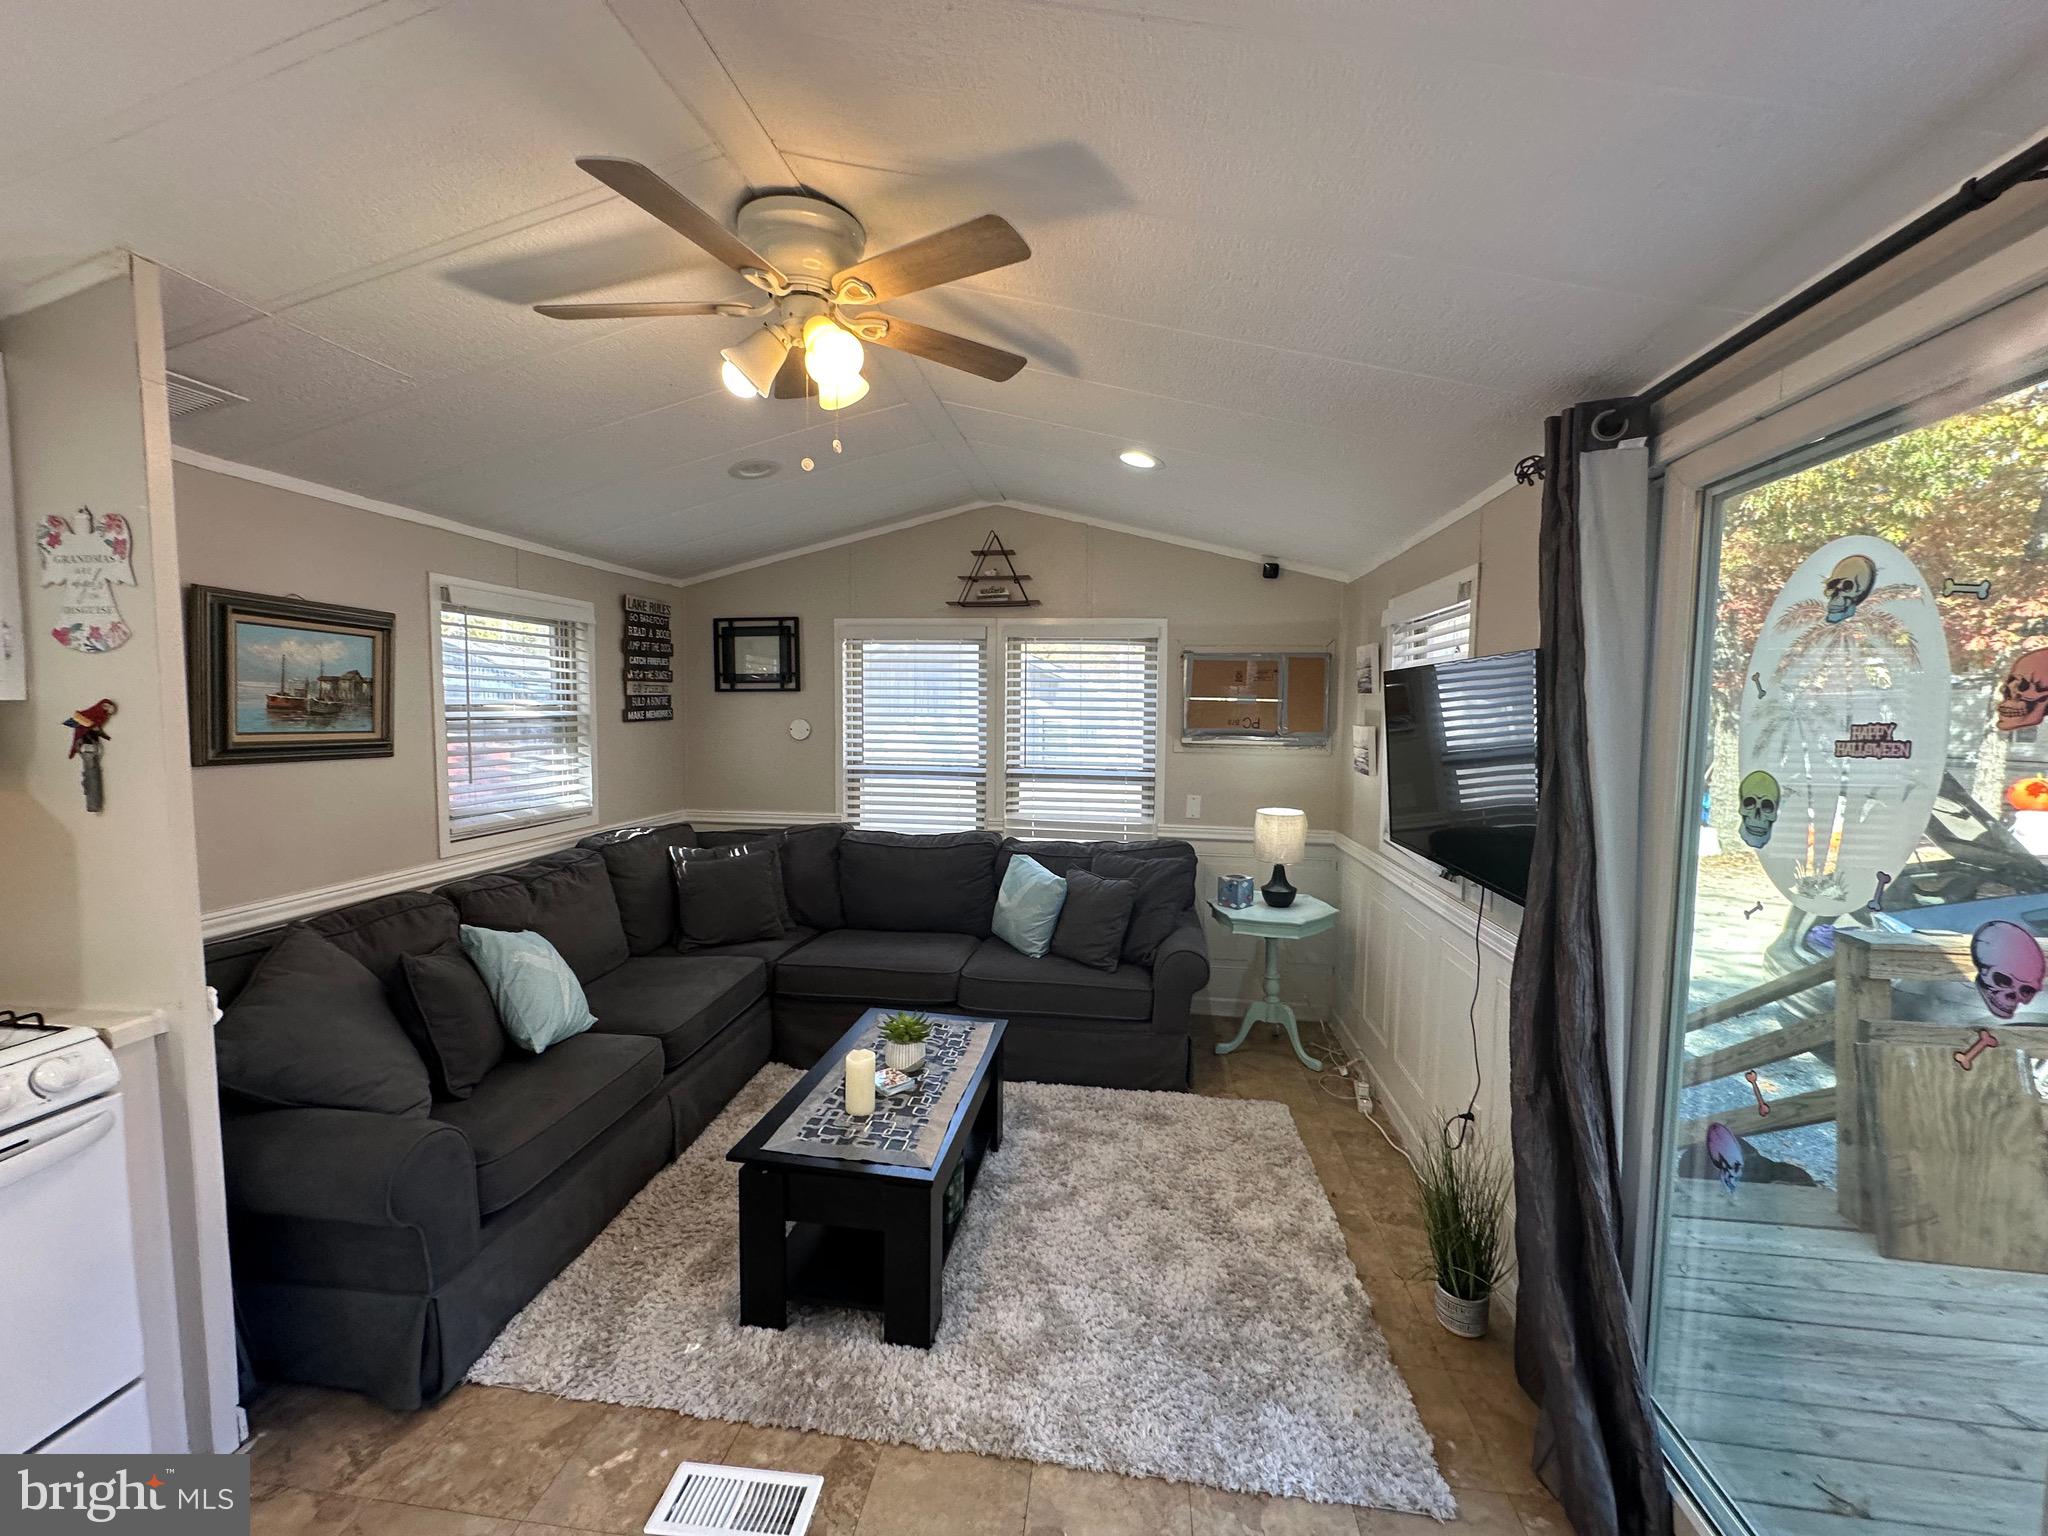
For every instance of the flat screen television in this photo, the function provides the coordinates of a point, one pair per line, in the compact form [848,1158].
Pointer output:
[1461,767]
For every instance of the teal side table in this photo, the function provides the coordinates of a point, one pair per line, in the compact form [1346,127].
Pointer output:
[1307,917]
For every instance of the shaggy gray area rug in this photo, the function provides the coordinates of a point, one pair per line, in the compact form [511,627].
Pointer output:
[1147,1283]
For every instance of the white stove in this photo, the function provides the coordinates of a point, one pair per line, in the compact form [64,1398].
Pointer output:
[67,1246]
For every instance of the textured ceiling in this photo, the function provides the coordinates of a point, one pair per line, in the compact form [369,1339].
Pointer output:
[1330,260]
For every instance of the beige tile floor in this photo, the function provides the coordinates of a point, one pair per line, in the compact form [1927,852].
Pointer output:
[489,1461]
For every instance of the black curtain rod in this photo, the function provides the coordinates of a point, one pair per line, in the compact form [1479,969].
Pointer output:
[2030,164]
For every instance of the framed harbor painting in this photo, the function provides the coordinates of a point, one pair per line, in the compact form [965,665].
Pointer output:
[280,679]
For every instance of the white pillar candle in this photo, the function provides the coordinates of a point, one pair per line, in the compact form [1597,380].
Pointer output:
[860,1083]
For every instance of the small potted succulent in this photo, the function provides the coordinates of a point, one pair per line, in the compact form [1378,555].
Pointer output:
[1464,1193]
[903,1037]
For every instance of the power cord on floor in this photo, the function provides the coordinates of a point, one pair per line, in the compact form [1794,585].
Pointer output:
[1338,1062]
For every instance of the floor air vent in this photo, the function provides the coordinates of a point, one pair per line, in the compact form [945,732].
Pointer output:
[703,1500]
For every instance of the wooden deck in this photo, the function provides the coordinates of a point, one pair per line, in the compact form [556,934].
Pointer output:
[1839,1393]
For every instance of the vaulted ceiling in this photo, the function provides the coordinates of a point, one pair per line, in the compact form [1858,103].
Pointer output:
[1330,260]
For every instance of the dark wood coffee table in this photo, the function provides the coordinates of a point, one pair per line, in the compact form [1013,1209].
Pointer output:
[861,1234]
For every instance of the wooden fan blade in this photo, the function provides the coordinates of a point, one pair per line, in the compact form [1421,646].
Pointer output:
[791,381]
[979,245]
[940,347]
[635,311]
[637,184]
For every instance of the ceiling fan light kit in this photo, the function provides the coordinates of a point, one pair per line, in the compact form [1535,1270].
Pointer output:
[806,254]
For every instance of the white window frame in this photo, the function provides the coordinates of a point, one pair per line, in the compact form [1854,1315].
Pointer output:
[1428,599]
[526,603]
[844,630]
[1153,630]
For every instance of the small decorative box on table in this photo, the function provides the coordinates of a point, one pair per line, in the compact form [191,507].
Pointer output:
[1306,917]
[860,1211]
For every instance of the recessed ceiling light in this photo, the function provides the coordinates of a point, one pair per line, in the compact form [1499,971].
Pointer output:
[752,469]
[1138,458]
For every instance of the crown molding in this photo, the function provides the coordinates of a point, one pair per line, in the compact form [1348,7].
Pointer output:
[404,514]
[838,542]
[1435,526]
[1228,551]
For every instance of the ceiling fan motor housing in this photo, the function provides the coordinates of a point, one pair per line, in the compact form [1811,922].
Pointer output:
[807,238]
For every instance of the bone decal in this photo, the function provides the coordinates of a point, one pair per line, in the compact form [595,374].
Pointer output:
[1876,739]
[1757,678]
[1980,590]
[1752,912]
[1750,1078]
[2023,696]
[2010,966]
[1968,1058]
[1877,896]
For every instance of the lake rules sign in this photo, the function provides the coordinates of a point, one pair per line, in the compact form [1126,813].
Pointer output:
[649,661]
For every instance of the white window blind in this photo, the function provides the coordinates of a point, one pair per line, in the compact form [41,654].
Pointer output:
[516,713]
[1444,634]
[914,730]
[1080,732]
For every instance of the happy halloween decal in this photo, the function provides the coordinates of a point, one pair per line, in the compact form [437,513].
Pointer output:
[1850,670]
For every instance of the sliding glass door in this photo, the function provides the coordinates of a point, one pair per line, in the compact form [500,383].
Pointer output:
[1848,1306]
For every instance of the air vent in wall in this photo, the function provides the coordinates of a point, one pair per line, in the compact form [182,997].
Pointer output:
[188,395]
[705,1500]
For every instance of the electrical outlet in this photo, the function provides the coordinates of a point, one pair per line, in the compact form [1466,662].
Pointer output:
[1364,1091]
[1194,807]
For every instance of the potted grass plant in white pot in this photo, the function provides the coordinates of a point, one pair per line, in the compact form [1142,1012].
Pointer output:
[1464,1193]
[903,1038]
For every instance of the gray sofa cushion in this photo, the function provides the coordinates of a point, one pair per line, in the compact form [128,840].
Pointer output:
[1094,920]
[574,910]
[314,1029]
[564,897]
[1166,889]
[729,895]
[679,1001]
[378,931]
[810,874]
[882,968]
[769,950]
[492,901]
[998,980]
[900,882]
[532,1114]
[445,1006]
[643,883]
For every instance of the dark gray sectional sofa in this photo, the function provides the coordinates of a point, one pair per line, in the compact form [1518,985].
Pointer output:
[383,1252]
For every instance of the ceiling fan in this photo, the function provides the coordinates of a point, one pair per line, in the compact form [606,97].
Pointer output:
[805,254]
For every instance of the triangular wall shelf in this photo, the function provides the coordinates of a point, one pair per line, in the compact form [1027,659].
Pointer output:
[994,582]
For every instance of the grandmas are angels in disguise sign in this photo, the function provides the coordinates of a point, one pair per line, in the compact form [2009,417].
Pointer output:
[87,564]
[1844,724]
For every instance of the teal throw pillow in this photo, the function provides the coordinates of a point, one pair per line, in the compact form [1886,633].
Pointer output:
[540,1001]
[1028,906]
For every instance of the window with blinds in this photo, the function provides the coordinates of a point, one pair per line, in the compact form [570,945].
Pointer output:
[914,729]
[1080,732]
[516,712]
[1444,634]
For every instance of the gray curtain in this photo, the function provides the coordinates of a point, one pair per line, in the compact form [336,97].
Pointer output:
[1575,1352]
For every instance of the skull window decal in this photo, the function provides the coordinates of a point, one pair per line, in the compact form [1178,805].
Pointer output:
[2010,966]
[1760,798]
[2023,696]
[1851,581]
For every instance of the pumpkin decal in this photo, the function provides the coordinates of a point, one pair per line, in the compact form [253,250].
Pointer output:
[2029,794]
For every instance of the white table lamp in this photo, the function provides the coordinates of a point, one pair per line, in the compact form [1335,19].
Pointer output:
[1279,838]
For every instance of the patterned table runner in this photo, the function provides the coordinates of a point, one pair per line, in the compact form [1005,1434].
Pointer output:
[906,1131]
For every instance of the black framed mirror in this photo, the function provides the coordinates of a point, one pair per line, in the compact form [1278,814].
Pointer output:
[756,656]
